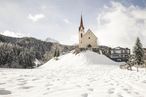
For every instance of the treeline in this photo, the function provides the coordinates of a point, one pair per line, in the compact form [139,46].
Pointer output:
[22,52]
[14,56]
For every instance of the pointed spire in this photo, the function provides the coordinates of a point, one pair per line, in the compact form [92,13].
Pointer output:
[81,21]
[81,24]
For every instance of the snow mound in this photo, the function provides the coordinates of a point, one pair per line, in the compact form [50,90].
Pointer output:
[84,58]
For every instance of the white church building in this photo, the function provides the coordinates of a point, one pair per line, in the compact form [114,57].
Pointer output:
[87,40]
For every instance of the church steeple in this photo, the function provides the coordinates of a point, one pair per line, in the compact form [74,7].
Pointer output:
[81,24]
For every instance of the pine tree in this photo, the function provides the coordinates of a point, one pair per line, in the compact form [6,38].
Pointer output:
[138,53]
[58,53]
[55,53]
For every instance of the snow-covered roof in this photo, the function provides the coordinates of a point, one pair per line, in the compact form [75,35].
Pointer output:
[89,31]
[119,48]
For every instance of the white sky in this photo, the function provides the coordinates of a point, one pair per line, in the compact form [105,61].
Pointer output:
[115,22]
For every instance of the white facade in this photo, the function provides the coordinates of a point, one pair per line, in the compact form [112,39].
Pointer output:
[88,39]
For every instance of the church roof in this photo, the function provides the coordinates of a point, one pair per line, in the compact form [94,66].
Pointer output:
[81,24]
[89,31]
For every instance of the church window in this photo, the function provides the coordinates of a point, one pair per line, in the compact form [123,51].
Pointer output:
[88,37]
[89,46]
[81,35]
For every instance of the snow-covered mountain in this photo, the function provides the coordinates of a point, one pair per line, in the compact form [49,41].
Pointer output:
[12,34]
[48,39]
[86,74]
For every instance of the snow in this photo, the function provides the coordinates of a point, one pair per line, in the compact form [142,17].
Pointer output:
[79,61]
[37,62]
[12,34]
[83,75]
[48,39]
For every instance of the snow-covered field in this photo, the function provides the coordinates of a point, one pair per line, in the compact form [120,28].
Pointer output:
[84,75]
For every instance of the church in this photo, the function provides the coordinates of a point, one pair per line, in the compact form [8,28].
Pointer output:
[87,40]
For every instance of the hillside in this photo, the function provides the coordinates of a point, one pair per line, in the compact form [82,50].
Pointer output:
[22,52]
[86,74]
[79,60]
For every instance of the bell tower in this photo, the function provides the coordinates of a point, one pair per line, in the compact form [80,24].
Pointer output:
[81,32]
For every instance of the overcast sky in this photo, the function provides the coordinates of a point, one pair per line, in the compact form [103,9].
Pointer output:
[115,22]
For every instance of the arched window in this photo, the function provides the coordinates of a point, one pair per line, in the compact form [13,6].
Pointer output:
[89,46]
[81,35]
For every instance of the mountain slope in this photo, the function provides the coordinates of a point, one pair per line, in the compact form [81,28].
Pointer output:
[27,49]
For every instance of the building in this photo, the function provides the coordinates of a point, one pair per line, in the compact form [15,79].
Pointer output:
[119,54]
[105,50]
[87,40]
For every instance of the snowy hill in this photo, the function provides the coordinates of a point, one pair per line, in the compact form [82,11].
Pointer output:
[83,58]
[83,75]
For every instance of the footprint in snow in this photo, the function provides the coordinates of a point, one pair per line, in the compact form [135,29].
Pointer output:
[35,79]
[78,86]
[48,88]
[90,89]
[21,84]
[106,81]
[144,81]
[111,84]
[127,90]
[87,84]
[3,73]
[119,95]
[136,93]
[49,84]
[91,79]
[111,90]
[20,79]
[85,95]
[2,83]
[26,75]
[26,87]
[5,92]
